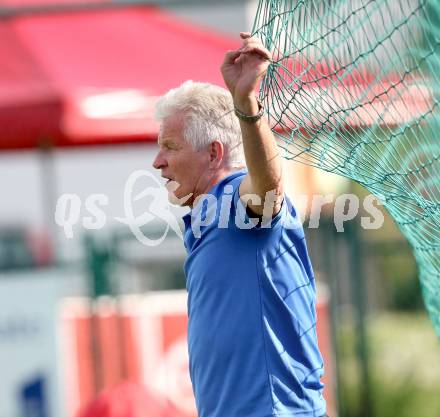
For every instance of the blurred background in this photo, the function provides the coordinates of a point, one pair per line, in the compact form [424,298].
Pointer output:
[92,321]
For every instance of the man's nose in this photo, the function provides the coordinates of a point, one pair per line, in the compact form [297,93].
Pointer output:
[159,162]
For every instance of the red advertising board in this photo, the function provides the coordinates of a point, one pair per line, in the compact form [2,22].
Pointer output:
[142,339]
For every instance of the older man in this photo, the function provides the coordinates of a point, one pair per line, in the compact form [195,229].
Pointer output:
[251,290]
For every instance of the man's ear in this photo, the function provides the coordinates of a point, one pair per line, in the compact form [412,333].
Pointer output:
[216,153]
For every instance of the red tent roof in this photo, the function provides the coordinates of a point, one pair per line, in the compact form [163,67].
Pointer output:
[90,77]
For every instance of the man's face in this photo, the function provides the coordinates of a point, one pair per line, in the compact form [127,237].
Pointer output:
[180,163]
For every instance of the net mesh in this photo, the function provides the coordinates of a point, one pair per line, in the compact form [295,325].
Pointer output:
[353,89]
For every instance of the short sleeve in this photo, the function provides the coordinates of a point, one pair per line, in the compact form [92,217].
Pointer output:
[244,219]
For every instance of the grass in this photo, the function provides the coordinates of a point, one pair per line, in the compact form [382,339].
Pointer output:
[404,355]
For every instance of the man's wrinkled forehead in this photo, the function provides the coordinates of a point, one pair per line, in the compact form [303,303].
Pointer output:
[171,131]
[172,125]
[161,133]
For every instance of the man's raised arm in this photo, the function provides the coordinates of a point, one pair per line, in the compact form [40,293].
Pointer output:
[242,71]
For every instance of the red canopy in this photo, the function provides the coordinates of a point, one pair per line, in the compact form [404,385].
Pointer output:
[89,77]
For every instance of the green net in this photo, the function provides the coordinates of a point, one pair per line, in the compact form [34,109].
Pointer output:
[353,89]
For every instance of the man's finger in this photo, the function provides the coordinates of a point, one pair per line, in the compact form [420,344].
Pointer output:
[257,49]
[245,35]
[253,43]
[249,40]
[231,56]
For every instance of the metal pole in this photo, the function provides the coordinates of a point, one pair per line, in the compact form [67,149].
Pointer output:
[359,298]
[48,193]
[333,273]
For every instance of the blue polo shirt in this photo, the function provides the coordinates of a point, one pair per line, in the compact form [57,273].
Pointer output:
[251,302]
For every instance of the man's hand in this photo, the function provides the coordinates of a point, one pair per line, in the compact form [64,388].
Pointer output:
[243,69]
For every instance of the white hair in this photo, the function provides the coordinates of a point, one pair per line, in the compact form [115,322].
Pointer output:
[208,116]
